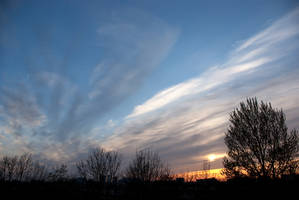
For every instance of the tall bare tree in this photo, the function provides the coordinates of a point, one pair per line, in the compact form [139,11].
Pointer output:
[258,142]
[21,168]
[147,166]
[24,167]
[102,166]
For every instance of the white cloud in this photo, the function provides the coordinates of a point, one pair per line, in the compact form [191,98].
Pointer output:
[195,127]
[207,81]
[186,122]
[135,43]
[60,110]
[244,59]
[20,109]
[282,29]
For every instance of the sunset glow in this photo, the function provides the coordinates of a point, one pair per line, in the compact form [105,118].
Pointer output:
[213,157]
[149,99]
[192,176]
[125,76]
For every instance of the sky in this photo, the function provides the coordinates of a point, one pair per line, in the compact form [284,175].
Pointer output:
[127,75]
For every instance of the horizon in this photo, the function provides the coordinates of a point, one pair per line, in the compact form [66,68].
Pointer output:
[141,74]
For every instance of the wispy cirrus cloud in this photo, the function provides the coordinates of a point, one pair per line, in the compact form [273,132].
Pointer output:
[187,121]
[54,112]
[19,110]
[255,52]
[49,113]
[210,79]
[136,43]
[282,29]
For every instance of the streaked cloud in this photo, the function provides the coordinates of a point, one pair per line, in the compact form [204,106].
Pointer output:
[136,43]
[186,122]
[207,81]
[19,110]
[258,50]
[58,107]
[51,114]
[282,29]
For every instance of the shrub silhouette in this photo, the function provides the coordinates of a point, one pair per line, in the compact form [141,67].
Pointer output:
[258,142]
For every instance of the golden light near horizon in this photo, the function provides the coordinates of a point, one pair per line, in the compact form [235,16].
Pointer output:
[212,157]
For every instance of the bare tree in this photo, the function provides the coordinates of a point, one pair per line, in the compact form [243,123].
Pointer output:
[258,142]
[4,168]
[102,166]
[59,173]
[39,172]
[147,166]
[24,167]
[21,168]
[8,168]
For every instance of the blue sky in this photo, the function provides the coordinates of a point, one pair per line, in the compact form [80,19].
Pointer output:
[125,75]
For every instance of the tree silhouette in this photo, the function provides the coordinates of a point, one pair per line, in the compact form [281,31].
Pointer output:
[258,142]
[101,166]
[21,168]
[59,173]
[24,167]
[147,166]
[39,172]
[8,168]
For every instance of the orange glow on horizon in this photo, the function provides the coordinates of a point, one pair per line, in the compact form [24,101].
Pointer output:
[201,174]
[212,157]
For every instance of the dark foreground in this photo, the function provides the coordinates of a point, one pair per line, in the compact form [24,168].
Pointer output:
[205,189]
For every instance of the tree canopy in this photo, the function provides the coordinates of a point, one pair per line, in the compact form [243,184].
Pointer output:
[258,142]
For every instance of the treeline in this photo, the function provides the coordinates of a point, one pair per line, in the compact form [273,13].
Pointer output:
[22,168]
[100,166]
